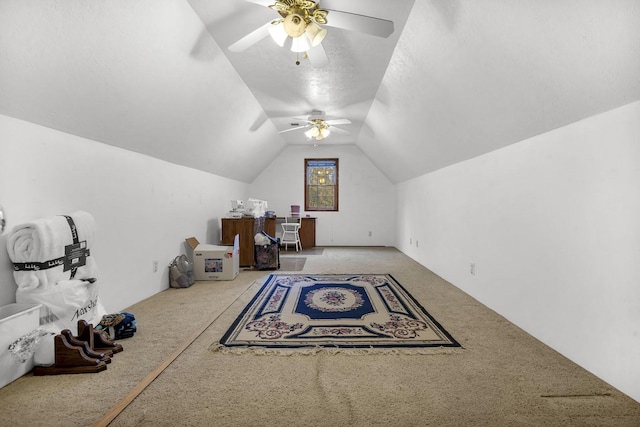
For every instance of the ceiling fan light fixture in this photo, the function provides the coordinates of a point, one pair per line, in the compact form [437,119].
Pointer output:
[300,44]
[278,34]
[312,133]
[315,33]
[319,130]
[294,23]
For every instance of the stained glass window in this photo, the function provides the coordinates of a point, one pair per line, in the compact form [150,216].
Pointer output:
[321,185]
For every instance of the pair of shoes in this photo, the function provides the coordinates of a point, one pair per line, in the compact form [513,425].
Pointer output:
[103,356]
[70,359]
[98,340]
[89,352]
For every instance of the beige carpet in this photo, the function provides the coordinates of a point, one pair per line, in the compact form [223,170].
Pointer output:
[292,263]
[502,376]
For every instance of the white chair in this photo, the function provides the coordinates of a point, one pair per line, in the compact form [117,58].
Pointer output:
[290,233]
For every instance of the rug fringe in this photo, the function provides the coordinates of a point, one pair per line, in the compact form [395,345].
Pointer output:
[306,351]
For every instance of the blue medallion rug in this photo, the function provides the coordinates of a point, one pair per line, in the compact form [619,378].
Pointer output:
[355,311]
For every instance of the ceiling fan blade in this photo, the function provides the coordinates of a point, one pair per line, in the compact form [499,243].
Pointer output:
[295,128]
[364,24]
[338,122]
[340,131]
[250,39]
[317,56]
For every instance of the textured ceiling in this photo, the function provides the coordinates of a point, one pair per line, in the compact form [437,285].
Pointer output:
[456,79]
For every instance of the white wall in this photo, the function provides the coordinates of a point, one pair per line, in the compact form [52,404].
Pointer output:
[367,198]
[553,227]
[143,207]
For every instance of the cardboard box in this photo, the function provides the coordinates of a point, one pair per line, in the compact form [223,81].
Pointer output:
[16,320]
[211,262]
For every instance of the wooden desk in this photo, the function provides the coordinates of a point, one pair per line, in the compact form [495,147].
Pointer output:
[307,233]
[270,226]
[248,227]
[307,230]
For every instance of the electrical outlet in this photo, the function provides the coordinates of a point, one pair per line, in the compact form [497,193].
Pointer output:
[416,243]
[155,266]
[472,268]
[369,233]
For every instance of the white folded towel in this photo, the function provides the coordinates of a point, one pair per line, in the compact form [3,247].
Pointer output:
[48,250]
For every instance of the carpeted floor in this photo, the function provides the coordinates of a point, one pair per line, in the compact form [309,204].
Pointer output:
[304,252]
[292,263]
[502,376]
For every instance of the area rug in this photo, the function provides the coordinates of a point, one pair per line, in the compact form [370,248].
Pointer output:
[338,311]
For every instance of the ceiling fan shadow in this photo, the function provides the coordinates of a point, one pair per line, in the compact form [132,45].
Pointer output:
[204,48]
[258,122]
[448,11]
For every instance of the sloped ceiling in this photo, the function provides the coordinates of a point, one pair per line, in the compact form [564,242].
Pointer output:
[456,79]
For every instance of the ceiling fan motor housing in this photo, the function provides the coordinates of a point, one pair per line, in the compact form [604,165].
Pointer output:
[294,23]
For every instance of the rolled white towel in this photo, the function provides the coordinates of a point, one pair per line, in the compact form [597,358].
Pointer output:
[48,250]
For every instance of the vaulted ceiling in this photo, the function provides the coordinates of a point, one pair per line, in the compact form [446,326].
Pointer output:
[455,79]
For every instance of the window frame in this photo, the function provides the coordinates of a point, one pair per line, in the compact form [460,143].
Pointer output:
[335,185]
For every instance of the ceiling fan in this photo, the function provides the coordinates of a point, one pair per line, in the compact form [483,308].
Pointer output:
[301,21]
[317,127]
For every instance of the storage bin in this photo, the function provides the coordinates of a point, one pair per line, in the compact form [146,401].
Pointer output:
[16,320]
